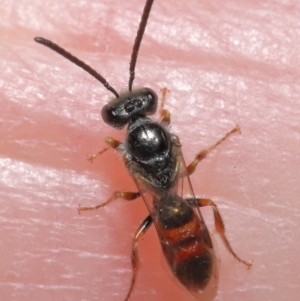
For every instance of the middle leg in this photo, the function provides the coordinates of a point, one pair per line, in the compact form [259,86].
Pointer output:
[125,195]
[203,154]
[219,224]
[112,143]
[142,229]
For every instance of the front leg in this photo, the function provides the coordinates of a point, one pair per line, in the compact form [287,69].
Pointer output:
[203,154]
[165,114]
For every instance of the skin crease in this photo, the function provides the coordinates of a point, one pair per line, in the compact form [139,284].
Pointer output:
[226,63]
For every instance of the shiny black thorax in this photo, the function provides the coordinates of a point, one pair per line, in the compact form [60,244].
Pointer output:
[149,149]
[150,153]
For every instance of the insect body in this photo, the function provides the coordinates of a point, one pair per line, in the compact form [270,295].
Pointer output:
[154,159]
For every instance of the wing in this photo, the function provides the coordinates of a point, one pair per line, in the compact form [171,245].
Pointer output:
[184,238]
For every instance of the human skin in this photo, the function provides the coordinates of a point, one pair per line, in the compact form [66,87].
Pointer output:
[225,63]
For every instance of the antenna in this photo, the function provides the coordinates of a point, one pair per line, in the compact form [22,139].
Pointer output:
[138,40]
[77,62]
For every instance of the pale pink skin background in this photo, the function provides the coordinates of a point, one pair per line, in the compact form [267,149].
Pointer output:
[226,63]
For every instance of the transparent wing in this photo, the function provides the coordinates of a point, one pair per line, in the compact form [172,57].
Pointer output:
[184,238]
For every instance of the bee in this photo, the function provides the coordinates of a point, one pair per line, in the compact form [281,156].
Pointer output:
[154,159]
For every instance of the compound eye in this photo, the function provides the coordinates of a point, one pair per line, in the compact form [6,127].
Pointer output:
[110,116]
[151,97]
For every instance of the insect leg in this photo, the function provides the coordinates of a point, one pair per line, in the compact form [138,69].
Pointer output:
[125,195]
[165,114]
[142,229]
[219,224]
[200,156]
[111,143]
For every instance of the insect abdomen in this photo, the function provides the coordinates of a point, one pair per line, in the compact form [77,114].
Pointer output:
[185,241]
